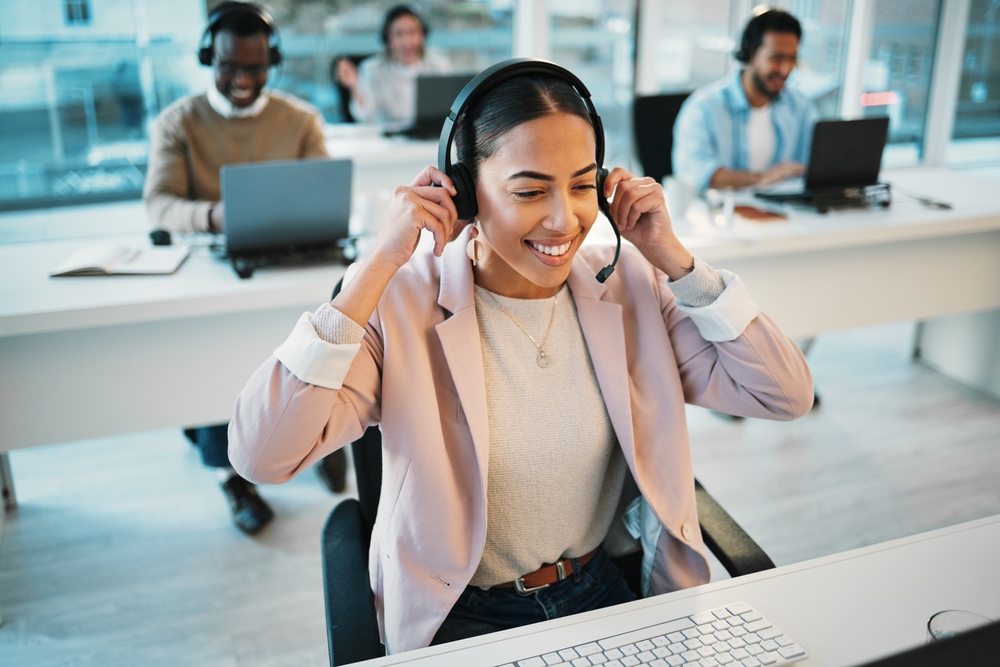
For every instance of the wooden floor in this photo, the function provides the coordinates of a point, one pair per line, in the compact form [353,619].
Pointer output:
[122,552]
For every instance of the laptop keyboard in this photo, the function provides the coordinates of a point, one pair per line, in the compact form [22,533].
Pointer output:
[735,635]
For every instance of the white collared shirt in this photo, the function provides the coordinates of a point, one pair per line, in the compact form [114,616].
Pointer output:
[226,109]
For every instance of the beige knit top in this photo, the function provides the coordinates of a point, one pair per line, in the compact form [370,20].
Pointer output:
[555,472]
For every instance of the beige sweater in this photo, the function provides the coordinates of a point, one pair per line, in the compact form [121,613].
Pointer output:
[190,142]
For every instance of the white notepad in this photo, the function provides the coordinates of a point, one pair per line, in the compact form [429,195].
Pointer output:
[122,260]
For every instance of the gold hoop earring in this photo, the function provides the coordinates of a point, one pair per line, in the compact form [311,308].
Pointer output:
[474,249]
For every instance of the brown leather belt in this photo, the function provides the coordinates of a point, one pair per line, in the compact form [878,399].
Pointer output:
[547,575]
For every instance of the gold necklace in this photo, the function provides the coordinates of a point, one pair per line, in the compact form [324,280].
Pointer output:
[543,357]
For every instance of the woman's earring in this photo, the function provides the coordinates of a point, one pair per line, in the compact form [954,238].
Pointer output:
[474,249]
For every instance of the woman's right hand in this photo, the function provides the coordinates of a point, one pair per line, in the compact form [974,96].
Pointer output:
[413,208]
[347,73]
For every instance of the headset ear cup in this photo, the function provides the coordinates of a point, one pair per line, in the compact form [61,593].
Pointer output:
[205,55]
[602,175]
[275,56]
[465,185]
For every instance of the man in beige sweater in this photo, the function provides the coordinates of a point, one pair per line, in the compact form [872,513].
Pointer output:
[235,121]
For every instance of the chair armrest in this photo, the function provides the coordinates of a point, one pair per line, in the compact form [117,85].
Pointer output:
[352,627]
[736,550]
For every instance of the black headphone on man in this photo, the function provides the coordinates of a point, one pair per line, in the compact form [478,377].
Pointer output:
[206,46]
[398,11]
[465,185]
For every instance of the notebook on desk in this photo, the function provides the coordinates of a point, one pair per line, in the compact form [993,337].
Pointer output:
[434,96]
[845,154]
[285,212]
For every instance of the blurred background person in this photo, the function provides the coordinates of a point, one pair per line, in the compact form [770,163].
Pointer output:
[237,120]
[748,128]
[383,89]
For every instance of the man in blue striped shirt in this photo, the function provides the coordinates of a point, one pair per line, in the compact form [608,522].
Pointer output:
[749,128]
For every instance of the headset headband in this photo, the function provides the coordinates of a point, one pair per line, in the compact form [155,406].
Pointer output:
[232,8]
[493,76]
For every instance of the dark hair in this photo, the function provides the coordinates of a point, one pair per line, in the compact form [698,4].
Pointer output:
[514,102]
[773,20]
[242,24]
[396,12]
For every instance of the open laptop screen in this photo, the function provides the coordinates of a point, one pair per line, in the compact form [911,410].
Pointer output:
[846,153]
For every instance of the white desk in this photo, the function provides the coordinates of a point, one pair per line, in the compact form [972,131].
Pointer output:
[89,357]
[844,609]
[845,269]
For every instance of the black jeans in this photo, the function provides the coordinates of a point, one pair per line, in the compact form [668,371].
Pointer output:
[213,442]
[597,585]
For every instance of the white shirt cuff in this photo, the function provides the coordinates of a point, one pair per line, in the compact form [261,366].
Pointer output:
[728,316]
[313,360]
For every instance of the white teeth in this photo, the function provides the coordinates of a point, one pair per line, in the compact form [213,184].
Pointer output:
[555,250]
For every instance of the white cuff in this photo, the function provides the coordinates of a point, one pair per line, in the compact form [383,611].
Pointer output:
[728,316]
[313,360]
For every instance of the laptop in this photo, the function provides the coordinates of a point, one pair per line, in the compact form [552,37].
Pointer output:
[285,212]
[845,154]
[434,96]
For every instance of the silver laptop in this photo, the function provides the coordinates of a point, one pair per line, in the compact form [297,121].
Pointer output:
[272,207]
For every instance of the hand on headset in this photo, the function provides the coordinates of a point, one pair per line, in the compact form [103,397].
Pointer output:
[413,208]
[639,209]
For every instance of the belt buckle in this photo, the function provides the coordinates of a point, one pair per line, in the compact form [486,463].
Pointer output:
[528,590]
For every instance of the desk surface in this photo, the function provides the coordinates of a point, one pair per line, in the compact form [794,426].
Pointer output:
[32,302]
[844,609]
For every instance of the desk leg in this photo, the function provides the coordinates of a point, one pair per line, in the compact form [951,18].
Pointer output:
[7,484]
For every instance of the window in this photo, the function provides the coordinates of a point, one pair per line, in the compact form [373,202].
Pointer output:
[77,12]
[976,133]
[594,40]
[898,73]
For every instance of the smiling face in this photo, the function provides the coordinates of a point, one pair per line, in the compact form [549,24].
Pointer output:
[537,200]
[773,62]
[241,65]
[406,39]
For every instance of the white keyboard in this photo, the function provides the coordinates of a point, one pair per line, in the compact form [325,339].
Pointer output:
[735,635]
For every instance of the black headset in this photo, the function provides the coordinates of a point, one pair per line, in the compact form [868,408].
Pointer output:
[398,11]
[755,32]
[465,184]
[206,46]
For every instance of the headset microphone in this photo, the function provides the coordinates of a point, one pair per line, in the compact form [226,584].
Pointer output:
[602,201]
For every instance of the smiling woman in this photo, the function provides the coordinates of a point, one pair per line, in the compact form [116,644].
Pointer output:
[532,417]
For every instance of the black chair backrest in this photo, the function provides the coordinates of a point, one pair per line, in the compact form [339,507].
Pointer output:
[653,128]
[367,454]
[343,92]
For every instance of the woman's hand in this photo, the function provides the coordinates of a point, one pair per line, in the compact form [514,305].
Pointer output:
[347,74]
[640,212]
[415,207]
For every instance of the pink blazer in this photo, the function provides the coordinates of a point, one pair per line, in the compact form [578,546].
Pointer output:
[419,375]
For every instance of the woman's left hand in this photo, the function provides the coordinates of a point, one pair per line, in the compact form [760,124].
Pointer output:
[640,212]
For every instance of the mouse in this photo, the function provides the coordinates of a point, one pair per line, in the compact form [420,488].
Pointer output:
[160,237]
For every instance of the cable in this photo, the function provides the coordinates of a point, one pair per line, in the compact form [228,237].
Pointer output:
[925,201]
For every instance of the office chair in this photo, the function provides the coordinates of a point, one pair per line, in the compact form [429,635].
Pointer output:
[653,132]
[343,92]
[352,629]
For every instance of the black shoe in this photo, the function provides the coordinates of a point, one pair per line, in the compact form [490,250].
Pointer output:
[332,470]
[250,512]
[815,400]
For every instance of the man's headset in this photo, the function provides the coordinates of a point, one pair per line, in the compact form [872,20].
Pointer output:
[206,46]
[465,185]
